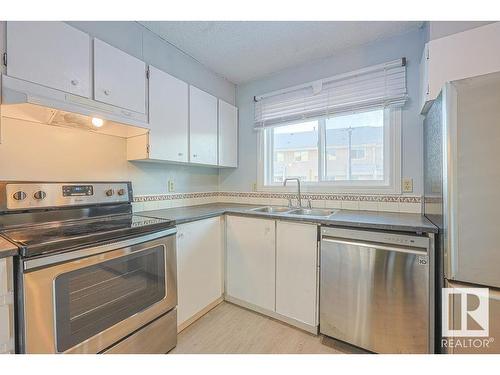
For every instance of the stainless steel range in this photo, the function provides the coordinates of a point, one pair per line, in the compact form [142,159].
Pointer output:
[91,276]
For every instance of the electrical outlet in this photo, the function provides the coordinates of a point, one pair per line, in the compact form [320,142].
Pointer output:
[254,186]
[407,185]
[171,186]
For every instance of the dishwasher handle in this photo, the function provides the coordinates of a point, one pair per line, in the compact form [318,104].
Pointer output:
[374,245]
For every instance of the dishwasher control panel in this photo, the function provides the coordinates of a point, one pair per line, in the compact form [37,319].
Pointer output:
[388,238]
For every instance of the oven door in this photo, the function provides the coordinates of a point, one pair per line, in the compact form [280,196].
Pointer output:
[86,300]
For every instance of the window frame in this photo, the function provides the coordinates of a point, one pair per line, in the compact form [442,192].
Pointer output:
[392,162]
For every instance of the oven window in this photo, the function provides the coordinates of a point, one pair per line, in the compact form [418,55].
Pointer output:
[91,299]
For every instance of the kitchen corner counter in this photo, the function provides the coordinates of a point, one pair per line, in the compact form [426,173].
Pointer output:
[7,249]
[346,218]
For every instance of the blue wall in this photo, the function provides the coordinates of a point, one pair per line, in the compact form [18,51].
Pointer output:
[408,45]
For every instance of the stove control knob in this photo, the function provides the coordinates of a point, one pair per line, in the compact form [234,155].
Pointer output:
[121,192]
[19,195]
[109,192]
[39,195]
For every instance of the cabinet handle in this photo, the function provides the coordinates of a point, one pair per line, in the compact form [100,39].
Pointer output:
[74,82]
[180,154]
[127,113]
[107,92]
[195,156]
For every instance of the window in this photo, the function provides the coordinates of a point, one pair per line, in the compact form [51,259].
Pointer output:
[358,140]
[345,152]
[338,134]
[289,150]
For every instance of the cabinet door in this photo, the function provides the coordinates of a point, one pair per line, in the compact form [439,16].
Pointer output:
[228,135]
[250,254]
[202,127]
[119,79]
[199,266]
[424,78]
[168,117]
[297,271]
[6,306]
[463,55]
[52,54]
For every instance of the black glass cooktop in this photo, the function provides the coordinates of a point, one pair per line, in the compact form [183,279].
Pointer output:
[65,235]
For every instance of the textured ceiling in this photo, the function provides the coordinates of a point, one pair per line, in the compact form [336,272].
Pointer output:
[246,50]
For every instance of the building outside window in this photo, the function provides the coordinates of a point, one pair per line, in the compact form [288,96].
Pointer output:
[339,148]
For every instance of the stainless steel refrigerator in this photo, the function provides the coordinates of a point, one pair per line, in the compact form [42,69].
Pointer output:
[462,196]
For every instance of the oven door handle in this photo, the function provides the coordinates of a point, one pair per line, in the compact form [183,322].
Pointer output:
[94,250]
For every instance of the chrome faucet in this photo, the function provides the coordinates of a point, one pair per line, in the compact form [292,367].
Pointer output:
[299,196]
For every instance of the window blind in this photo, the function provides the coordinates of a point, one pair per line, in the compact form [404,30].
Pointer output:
[376,86]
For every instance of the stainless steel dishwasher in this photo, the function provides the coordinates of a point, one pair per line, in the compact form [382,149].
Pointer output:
[376,290]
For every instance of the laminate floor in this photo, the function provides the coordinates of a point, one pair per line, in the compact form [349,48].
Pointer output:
[229,329]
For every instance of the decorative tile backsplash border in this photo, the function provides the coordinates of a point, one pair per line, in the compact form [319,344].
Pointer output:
[393,203]
[164,197]
[325,196]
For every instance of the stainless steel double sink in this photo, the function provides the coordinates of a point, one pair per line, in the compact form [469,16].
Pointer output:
[317,212]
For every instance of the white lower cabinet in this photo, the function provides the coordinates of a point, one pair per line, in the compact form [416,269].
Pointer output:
[251,254]
[272,267]
[297,271]
[199,267]
[6,306]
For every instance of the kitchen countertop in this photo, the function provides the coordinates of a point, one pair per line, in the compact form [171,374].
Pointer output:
[7,249]
[347,218]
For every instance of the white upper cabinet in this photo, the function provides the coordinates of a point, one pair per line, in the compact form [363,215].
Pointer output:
[424,78]
[51,54]
[202,127]
[228,135]
[463,55]
[168,117]
[119,79]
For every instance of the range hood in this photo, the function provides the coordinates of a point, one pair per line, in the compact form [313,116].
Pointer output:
[27,101]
